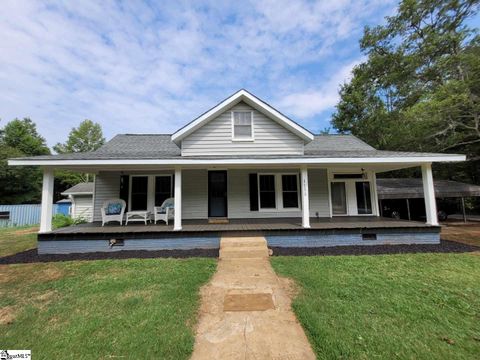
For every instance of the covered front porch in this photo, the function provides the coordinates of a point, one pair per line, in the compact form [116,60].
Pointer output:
[313,196]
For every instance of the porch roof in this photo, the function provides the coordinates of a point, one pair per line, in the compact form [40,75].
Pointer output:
[160,150]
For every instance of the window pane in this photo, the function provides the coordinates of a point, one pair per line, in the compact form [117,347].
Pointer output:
[339,200]
[139,192]
[290,199]
[243,131]
[242,125]
[290,191]
[163,189]
[364,202]
[267,191]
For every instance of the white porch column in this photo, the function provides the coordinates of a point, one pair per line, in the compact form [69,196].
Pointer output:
[429,194]
[375,204]
[305,198]
[47,201]
[177,222]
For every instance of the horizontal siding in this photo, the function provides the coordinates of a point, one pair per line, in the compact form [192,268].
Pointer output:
[239,196]
[194,194]
[318,191]
[83,207]
[85,246]
[215,137]
[107,186]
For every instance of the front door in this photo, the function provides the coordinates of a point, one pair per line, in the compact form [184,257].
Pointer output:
[217,193]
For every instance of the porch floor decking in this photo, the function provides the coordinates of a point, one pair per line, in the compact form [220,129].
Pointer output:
[264,224]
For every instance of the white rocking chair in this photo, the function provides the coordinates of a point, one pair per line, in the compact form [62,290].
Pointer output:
[112,210]
[164,212]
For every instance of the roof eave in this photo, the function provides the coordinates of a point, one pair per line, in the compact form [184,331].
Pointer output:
[243,161]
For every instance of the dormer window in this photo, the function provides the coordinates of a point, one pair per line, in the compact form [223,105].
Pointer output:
[242,125]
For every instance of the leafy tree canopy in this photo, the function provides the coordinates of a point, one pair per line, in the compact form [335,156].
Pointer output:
[419,87]
[22,135]
[88,136]
[20,185]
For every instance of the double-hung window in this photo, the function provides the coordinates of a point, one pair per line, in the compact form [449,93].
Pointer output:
[266,186]
[163,189]
[290,191]
[278,191]
[242,125]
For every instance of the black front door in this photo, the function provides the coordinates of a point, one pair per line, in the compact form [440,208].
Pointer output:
[217,194]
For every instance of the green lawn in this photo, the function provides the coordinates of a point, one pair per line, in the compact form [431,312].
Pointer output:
[420,306]
[139,308]
[16,239]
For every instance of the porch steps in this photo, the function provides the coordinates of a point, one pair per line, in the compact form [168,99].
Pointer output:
[243,248]
[243,241]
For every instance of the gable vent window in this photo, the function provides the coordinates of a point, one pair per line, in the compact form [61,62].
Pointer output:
[242,125]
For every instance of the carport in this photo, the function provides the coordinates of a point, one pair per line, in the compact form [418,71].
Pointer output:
[412,188]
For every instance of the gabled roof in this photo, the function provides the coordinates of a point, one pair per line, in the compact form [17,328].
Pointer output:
[80,189]
[253,101]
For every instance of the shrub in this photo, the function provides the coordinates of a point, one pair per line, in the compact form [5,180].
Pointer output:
[61,220]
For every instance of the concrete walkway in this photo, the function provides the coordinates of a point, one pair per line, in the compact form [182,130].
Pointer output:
[245,311]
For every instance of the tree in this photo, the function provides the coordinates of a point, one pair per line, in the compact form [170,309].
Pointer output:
[20,185]
[23,136]
[88,136]
[419,88]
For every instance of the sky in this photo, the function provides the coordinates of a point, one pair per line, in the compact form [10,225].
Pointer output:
[152,66]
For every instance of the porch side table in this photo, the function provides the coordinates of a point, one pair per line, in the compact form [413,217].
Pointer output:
[142,216]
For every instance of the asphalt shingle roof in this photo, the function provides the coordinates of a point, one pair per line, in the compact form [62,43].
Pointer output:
[80,188]
[139,146]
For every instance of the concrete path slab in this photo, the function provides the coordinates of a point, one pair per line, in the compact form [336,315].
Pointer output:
[273,332]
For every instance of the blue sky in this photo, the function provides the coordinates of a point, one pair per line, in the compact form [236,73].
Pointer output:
[150,67]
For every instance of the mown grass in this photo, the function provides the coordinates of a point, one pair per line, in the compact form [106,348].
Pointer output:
[139,308]
[17,239]
[415,306]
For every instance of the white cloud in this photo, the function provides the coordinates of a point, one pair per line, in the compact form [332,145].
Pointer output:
[310,102]
[151,67]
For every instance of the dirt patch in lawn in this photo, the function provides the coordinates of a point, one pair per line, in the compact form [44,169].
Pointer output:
[7,315]
[465,233]
[25,231]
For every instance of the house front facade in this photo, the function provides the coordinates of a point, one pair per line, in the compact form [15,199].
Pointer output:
[242,165]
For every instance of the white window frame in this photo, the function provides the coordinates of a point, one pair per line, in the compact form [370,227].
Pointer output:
[150,189]
[250,139]
[350,193]
[279,193]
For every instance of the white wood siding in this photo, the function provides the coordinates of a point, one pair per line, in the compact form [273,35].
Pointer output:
[318,190]
[215,138]
[107,186]
[239,195]
[194,194]
[82,207]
